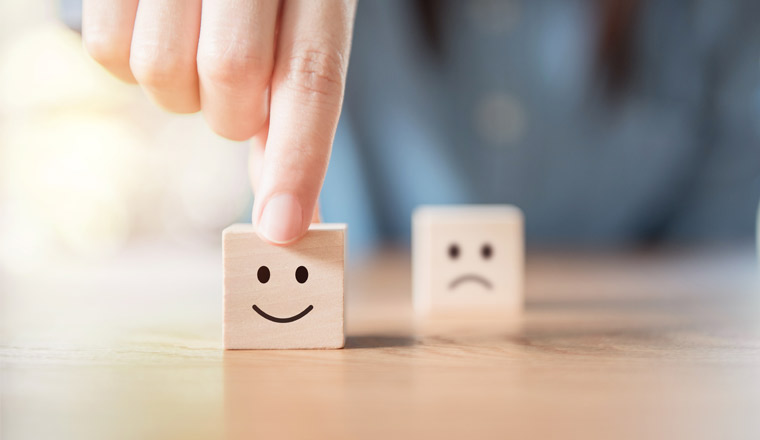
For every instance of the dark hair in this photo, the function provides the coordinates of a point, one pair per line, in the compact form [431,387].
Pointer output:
[615,44]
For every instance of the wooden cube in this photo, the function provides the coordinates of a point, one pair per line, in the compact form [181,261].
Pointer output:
[279,297]
[467,261]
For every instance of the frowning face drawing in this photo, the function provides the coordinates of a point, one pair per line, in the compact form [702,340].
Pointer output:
[467,258]
[485,253]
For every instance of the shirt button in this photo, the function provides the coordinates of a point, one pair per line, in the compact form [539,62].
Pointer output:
[500,119]
[494,16]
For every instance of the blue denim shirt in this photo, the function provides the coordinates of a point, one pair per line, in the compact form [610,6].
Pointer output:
[511,109]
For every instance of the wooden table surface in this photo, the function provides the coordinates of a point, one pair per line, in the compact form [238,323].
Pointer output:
[645,345]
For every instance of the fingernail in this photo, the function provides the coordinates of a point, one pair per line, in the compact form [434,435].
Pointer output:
[282,219]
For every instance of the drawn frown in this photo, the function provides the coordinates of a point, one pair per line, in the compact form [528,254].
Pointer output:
[486,252]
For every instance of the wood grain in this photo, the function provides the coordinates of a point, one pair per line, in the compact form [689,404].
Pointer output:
[648,345]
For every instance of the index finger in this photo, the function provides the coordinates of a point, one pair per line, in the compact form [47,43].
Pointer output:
[307,94]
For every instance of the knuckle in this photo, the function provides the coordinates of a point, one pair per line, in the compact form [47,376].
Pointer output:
[234,68]
[158,69]
[315,71]
[106,49]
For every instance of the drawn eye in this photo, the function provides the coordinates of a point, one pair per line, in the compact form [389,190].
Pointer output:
[486,251]
[453,251]
[263,274]
[302,274]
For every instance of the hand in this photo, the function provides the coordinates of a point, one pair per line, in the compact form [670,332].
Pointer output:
[269,70]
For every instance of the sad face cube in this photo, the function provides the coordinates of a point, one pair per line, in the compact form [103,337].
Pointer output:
[467,261]
[284,296]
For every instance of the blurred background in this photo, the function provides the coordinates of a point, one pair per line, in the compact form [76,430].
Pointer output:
[611,124]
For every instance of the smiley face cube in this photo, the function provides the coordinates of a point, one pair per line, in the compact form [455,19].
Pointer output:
[278,297]
[467,261]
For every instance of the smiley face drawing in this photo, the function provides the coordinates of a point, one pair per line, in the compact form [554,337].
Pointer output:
[302,275]
[284,297]
[467,258]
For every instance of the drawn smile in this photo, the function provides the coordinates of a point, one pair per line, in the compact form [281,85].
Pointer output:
[470,277]
[282,320]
